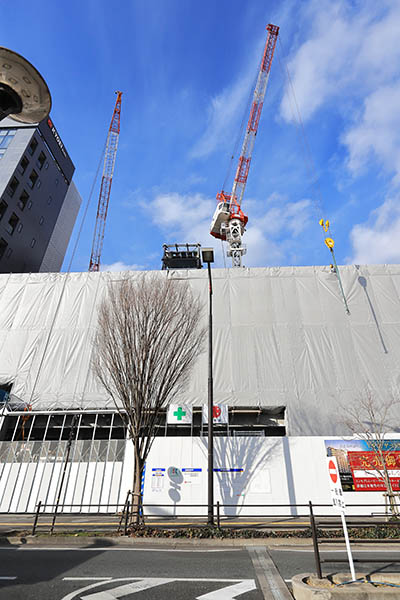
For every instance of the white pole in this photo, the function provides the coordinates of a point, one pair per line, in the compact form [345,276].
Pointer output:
[346,537]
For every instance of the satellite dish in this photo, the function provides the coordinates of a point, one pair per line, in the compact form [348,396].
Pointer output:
[24,95]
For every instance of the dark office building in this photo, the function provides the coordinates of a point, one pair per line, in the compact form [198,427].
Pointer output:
[39,202]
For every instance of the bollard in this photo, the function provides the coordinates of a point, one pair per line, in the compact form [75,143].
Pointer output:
[315,542]
[36,517]
[128,504]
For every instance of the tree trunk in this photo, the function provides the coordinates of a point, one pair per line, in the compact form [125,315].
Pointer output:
[137,484]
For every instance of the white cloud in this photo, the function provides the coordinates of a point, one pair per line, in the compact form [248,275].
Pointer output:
[187,218]
[224,110]
[377,134]
[348,53]
[120,266]
[378,241]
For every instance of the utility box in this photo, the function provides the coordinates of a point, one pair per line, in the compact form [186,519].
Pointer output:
[181,256]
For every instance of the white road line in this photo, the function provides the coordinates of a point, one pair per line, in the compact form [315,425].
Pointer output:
[87,578]
[227,593]
[8,578]
[122,549]
[127,589]
[230,592]
[355,551]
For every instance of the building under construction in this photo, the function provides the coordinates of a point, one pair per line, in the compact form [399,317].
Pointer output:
[287,358]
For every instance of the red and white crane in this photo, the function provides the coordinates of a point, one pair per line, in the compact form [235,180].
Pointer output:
[229,221]
[105,188]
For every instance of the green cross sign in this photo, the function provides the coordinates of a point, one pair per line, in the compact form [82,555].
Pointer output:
[179,414]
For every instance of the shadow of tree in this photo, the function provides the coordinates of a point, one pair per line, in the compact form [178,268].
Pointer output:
[238,463]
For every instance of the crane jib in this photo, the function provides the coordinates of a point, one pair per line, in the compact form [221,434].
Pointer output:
[229,221]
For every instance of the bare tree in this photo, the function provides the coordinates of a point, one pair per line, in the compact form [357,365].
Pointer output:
[370,419]
[148,337]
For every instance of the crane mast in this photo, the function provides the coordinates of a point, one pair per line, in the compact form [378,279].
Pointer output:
[105,188]
[229,221]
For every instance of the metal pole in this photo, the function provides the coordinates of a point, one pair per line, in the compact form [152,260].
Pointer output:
[69,444]
[349,555]
[210,520]
[315,542]
[218,517]
[36,518]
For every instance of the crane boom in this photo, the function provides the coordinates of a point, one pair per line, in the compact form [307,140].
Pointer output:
[229,220]
[105,188]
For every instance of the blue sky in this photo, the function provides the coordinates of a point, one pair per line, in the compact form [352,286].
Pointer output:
[187,69]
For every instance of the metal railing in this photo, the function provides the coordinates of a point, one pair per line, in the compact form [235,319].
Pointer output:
[145,514]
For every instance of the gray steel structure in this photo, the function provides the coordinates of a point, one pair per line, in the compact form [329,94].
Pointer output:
[39,202]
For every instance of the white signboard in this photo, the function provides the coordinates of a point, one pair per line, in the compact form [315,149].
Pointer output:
[220,413]
[335,484]
[338,502]
[179,414]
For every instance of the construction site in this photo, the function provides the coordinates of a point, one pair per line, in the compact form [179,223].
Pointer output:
[292,348]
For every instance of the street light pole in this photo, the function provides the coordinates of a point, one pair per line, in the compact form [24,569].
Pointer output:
[210,408]
[208,257]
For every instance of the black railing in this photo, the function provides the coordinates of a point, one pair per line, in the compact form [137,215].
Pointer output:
[123,511]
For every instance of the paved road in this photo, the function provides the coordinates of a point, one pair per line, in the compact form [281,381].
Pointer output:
[137,574]
[292,562]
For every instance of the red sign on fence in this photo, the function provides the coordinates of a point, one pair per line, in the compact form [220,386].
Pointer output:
[368,470]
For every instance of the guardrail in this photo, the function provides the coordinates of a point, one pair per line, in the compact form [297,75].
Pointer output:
[123,511]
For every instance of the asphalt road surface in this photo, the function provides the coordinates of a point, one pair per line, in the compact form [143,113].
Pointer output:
[95,573]
[293,562]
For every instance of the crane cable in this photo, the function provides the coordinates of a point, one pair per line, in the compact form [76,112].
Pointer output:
[66,277]
[310,167]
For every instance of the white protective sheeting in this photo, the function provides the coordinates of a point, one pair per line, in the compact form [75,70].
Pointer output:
[281,337]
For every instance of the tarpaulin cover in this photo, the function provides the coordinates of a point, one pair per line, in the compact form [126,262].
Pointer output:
[282,337]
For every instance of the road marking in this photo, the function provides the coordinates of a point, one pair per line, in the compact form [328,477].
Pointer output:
[310,550]
[230,592]
[131,585]
[8,578]
[121,549]
[87,578]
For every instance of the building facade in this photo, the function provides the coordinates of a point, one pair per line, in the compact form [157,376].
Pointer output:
[39,202]
[287,359]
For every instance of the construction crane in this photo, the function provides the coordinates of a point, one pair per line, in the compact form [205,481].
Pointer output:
[105,188]
[229,221]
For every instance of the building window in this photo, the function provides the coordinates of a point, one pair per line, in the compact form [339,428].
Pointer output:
[12,186]
[33,242]
[23,199]
[39,183]
[12,223]
[3,208]
[33,177]
[3,247]
[23,165]
[46,166]
[2,152]
[6,135]
[30,204]
[41,160]
[49,200]
[19,228]
[41,220]
[32,146]
[8,252]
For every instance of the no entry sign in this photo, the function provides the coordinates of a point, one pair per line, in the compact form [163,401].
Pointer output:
[333,472]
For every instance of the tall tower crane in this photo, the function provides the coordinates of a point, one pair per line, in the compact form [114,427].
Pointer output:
[229,221]
[105,188]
